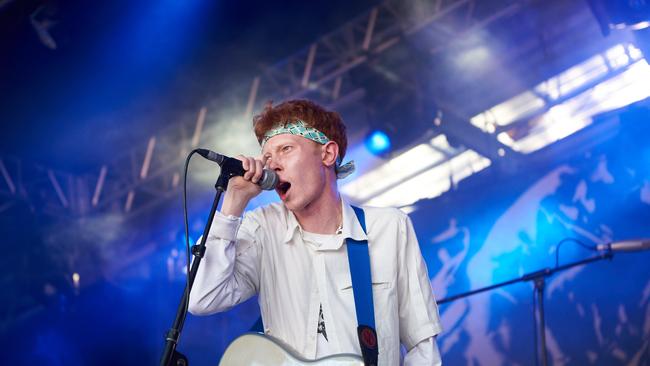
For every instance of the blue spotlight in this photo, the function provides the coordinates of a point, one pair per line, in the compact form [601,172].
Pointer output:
[377,142]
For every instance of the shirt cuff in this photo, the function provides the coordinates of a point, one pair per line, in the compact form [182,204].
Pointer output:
[424,353]
[426,331]
[224,227]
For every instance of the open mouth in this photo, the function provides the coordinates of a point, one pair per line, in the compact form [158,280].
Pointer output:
[282,188]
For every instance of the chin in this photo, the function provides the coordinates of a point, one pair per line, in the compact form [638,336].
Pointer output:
[291,206]
[294,206]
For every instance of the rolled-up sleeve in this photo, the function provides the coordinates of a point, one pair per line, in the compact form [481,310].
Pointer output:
[424,353]
[418,312]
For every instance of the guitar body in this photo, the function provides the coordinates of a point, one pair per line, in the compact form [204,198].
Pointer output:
[260,350]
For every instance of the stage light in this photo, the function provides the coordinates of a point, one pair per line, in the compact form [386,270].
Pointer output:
[75,282]
[378,142]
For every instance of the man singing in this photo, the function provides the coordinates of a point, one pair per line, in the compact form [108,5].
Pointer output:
[293,253]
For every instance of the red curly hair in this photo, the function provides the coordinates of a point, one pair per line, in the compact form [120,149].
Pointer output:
[314,115]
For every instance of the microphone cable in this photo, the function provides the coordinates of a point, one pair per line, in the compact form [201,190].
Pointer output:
[187,241]
[572,240]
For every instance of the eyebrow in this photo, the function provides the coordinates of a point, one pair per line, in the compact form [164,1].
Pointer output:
[279,147]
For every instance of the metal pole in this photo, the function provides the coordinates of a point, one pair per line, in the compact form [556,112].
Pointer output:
[539,289]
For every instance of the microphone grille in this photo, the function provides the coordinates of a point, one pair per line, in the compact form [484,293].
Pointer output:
[269,180]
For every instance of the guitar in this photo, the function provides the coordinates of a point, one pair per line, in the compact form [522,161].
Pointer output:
[260,350]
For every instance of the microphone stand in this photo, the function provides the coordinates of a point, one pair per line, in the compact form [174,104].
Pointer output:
[170,356]
[539,280]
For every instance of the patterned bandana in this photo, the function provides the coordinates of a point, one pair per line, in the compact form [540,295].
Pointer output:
[300,128]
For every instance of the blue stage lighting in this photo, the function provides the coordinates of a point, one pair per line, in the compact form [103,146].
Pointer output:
[378,142]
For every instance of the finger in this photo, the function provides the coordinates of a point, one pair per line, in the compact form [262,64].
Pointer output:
[250,169]
[259,170]
[244,161]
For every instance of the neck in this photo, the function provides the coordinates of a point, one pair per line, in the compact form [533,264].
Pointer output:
[323,216]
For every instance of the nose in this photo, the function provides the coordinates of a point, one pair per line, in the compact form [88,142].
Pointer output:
[274,164]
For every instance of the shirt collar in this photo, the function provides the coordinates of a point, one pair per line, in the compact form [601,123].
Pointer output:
[351,226]
[292,225]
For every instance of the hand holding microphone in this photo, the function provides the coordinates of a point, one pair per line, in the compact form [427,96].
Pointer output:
[249,168]
[243,172]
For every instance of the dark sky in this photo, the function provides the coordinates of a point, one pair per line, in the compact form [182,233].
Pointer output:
[122,69]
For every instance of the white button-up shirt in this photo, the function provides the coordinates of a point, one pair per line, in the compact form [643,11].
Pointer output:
[265,253]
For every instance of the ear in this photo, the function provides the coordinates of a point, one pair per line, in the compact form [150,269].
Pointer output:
[329,153]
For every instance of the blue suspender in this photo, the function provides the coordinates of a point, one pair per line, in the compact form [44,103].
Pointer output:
[360,273]
[359,260]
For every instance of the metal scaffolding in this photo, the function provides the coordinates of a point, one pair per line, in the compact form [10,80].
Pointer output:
[139,179]
[323,71]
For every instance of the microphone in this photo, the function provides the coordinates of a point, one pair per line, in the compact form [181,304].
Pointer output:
[633,245]
[267,182]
